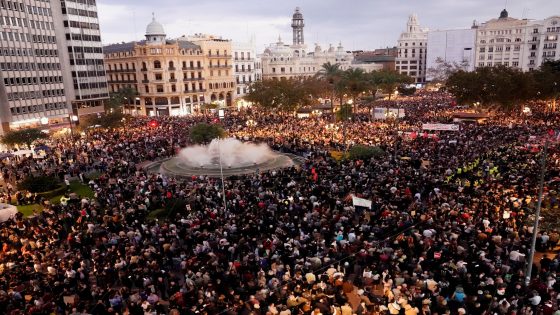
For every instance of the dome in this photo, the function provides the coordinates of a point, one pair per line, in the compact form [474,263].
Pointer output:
[504,14]
[155,28]
[317,48]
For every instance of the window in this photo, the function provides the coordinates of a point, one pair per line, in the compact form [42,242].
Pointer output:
[159,88]
[157,64]
[159,77]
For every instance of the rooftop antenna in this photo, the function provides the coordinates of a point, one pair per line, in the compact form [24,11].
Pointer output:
[134,24]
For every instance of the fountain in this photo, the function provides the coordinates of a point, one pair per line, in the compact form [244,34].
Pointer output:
[236,158]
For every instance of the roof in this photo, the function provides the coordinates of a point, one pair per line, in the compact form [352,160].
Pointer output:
[121,47]
[155,28]
[373,58]
[187,45]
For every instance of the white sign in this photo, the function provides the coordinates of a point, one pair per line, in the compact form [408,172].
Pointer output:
[221,113]
[444,127]
[384,113]
[361,202]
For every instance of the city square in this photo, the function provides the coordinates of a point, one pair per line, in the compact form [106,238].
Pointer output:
[188,173]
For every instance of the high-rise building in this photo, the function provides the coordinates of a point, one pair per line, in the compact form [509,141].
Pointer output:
[412,45]
[32,66]
[453,47]
[87,89]
[172,77]
[246,68]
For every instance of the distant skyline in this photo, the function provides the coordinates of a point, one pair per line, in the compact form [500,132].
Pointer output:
[358,24]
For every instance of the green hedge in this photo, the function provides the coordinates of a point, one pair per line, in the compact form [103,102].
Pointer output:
[362,152]
[39,184]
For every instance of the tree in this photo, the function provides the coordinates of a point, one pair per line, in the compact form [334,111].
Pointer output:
[388,80]
[23,136]
[204,133]
[39,184]
[443,69]
[280,95]
[547,82]
[499,86]
[108,121]
[330,73]
[344,113]
[117,100]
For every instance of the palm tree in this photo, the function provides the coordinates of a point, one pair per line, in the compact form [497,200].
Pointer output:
[330,73]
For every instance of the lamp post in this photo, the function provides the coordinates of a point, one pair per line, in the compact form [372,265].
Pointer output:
[537,215]
[72,118]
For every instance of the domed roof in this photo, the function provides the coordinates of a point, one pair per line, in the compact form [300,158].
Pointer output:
[154,28]
[504,14]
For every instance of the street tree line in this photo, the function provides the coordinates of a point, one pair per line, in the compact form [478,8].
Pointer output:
[504,87]
[330,82]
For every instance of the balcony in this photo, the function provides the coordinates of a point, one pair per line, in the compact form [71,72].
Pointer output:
[220,67]
[244,59]
[145,81]
[195,91]
[121,70]
[244,70]
[144,69]
[172,69]
[219,56]
[192,68]
[120,81]
[172,80]
[192,79]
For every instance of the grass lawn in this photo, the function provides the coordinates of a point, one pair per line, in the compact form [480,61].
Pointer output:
[75,187]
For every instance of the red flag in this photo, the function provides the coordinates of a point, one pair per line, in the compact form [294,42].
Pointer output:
[413,135]
[313,171]
[425,135]
[315,177]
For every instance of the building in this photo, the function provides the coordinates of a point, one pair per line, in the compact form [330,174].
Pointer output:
[520,43]
[247,68]
[454,47]
[172,77]
[32,65]
[503,41]
[283,61]
[412,45]
[544,43]
[384,57]
[219,72]
[81,40]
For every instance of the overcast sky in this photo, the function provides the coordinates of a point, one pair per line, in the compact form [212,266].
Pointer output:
[358,24]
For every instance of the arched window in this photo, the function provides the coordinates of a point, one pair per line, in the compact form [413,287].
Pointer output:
[171,65]
[157,64]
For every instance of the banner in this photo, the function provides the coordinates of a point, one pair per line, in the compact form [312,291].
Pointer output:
[384,113]
[360,202]
[443,127]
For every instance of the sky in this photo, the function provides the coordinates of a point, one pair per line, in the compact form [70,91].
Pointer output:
[358,24]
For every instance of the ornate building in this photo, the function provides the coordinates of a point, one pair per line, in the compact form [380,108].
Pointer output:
[282,61]
[412,45]
[519,43]
[172,77]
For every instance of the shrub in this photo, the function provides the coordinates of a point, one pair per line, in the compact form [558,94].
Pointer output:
[204,133]
[39,184]
[362,152]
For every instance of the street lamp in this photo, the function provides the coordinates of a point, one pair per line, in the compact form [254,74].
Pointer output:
[44,120]
[72,118]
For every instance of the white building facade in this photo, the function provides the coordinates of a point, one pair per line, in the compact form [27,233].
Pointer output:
[246,67]
[520,43]
[455,47]
[412,51]
[283,61]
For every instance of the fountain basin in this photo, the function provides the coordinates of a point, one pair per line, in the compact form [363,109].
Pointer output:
[236,158]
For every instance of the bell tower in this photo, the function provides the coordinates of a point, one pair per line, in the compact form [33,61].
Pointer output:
[297,26]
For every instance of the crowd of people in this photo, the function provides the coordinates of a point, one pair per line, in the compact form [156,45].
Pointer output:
[449,230]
